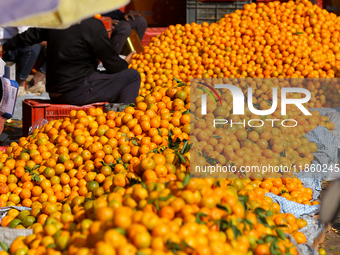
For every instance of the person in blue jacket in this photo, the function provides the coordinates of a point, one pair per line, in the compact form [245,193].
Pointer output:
[123,24]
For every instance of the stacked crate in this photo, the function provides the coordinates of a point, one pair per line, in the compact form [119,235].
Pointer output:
[200,11]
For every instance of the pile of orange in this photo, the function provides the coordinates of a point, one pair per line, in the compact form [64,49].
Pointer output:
[284,40]
[105,155]
[196,216]
[94,152]
[118,183]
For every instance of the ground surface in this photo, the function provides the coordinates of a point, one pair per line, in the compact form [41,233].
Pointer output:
[332,241]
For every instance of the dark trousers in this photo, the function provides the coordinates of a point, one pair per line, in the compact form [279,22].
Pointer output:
[24,58]
[122,87]
[123,30]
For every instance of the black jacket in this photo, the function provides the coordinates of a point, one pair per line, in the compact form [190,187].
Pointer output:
[117,14]
[72,53]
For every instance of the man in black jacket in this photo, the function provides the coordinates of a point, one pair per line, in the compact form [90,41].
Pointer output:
[71,64]
[122,26]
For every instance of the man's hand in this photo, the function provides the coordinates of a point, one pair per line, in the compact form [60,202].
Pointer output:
[114,23]
[1,53]
[132,16]
[128,57]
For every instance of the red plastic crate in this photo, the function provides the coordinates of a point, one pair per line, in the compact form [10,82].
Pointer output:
[151,32]
[36,109]
[267,1]
[107,21]
[3,148]
[319,3]
[219,0]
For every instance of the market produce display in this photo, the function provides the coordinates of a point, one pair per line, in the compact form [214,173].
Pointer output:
[119,183]
[293,39]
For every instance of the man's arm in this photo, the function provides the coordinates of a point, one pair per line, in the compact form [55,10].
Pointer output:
[117,14]
[30,37]
[100,43]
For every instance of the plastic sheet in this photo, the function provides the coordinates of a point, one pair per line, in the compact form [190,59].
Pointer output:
[8,235]
[37,124]
[328,154]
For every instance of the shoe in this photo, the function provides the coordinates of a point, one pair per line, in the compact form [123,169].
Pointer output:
[30,83]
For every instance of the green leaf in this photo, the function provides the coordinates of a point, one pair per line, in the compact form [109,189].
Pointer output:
[174,247]
[121,230]
[283,153]
[36,177]
[287,252]
[177,80]
[269,103]
[52,245]
[298,33]
[221,207]
[281,234]
[103,163]
[186,245]
[269,213]
[134,181]
[257,106]
[139,253]
[236,231]
[132,105]
[35,167]
[134,142]
[4,246]
[283,191]
[270,238]
[198,215]
[28,169]
[243,200]
[144,185]
[186,180]
[274,251]
[248,222]
[332,248]
[223,224]
[151,201]
[260,241]
[186,112]
[159,132]
[182,158]
[174,145]
[217,136]
[209,160]
[187,148]
[157,205]
[153,150]
[281,226]
[26,151]
[165,198]
[185,145]
[262,220]
[276,245]
[123,134]
[217,183]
